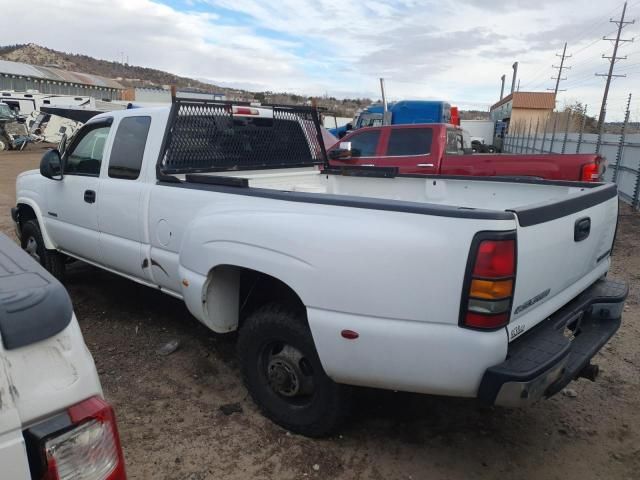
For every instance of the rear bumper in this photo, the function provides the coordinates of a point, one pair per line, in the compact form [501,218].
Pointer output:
[556,352]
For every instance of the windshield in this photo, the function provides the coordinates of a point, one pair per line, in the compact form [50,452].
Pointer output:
[5,111]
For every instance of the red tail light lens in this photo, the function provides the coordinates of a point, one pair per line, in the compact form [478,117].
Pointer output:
[495,258]
[477,320]
[90,450]
[590,172]
[489,286]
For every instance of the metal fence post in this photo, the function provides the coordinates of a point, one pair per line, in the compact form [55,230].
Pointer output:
[523,130]
[636,191]
[528,137]
[566,132]
[584,120]
[620,152]
[553,132]
[544,135]
[535,137]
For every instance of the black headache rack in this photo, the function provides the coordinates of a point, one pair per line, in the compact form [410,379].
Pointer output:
[213,136]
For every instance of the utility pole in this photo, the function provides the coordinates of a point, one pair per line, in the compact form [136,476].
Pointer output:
[515,74]
[612,61]
[559,78]
[502,87]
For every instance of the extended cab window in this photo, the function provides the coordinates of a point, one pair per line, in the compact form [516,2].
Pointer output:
[128,147]
[409,141]
[364,144]
[455,144]
[84,157]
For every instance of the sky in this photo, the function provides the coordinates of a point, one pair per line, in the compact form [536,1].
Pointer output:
[453,50]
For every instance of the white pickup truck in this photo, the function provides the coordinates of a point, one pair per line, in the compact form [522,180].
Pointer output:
[54,423]
[486,288]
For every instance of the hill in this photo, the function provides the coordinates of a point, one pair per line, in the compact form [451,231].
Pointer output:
[135,76]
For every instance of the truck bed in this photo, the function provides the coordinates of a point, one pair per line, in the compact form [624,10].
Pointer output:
[468,193]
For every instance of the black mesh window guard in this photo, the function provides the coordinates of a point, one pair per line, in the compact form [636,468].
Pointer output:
[207,136]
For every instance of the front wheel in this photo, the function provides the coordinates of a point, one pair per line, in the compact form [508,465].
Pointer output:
[32,242]
[282,371]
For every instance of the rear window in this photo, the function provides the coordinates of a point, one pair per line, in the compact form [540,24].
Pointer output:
[364,144]
[128,148]
[410,141]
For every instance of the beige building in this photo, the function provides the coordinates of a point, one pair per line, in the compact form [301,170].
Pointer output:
[519,109]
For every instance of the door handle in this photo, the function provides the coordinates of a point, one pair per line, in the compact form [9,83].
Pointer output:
[581,229]
[90,196]
[424,165]
[368,165]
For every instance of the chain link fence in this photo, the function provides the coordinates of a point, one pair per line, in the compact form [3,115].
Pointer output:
[574,131]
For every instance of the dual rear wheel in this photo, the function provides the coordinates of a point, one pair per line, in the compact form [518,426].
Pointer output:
[283,373]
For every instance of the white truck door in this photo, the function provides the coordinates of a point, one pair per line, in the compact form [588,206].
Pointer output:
[120,217]
[72,216]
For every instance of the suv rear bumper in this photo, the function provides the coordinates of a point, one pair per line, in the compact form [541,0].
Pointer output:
[557,351]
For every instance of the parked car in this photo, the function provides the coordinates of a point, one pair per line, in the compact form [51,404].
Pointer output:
[54,421]
[439,149]
[355,276]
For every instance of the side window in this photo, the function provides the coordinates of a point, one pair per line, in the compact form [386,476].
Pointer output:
[85,156]
[364,144]
[454,143]
[128,148]
[409,141]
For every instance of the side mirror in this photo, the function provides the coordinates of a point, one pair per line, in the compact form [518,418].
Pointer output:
[343,152]
[51,165]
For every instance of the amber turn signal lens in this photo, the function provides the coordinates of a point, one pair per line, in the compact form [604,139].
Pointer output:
[490,289]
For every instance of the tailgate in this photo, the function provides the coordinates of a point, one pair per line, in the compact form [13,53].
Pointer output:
[563,247]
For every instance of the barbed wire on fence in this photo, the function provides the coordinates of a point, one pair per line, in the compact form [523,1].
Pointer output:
[573,130]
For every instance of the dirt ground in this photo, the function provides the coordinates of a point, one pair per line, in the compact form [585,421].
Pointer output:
[172,426]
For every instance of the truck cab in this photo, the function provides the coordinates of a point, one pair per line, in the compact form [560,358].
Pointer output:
[444,149]
[404,112]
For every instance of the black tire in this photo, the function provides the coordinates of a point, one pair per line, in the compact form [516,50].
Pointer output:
[316,412]
[32,242]
[491,149]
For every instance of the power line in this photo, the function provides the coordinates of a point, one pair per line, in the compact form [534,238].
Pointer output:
[612,61]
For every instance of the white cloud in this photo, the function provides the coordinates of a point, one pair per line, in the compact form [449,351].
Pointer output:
[451,49]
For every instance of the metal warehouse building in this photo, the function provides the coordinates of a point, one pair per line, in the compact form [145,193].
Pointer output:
[21,77]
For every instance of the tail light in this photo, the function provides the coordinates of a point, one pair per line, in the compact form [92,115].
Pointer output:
[490,280]
[81,444]
[245,111]
[593,172]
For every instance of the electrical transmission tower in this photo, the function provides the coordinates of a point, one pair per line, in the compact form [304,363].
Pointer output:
[562,66]
[612,61]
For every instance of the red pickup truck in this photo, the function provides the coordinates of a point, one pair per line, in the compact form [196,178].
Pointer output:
[438,149]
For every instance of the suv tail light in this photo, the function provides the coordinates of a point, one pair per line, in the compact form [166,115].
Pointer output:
[81,444]
[489,282]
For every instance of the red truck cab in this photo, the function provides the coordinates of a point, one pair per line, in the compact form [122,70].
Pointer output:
[438,149]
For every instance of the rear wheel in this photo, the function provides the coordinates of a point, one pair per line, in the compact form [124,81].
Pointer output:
[33,244]
[282,371]
[4,143]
